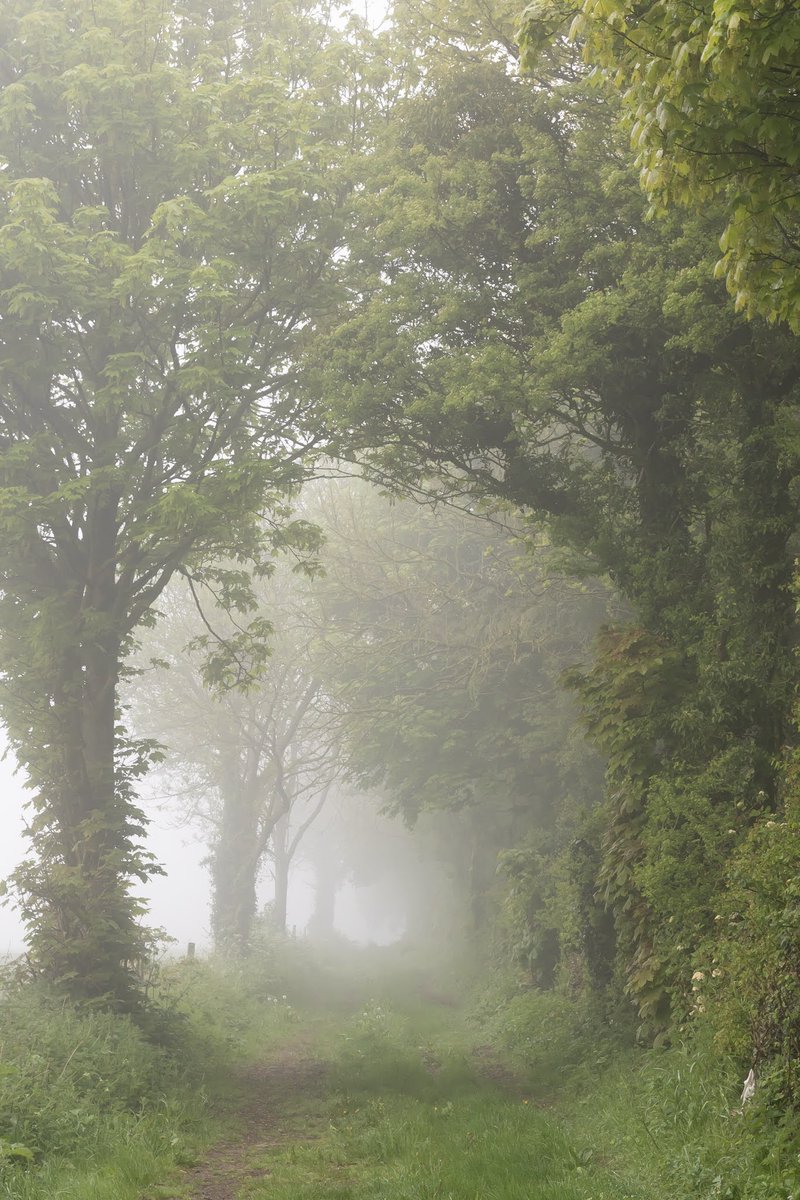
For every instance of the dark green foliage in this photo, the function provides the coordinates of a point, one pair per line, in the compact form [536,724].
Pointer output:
[534,933]
[596,935]
[554,922]
[580,362]
[750,986]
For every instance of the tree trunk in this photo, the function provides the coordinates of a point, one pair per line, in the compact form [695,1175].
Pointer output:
[234,866]
[75,896]
[281,865]
[326,875]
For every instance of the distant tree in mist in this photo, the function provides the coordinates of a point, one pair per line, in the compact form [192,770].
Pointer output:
[404,881]
[442,638]
[252,764]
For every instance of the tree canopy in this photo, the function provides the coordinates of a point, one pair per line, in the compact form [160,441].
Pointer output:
[234,240]
[710,91]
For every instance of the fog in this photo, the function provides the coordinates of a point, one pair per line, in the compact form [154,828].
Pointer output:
[179,900]
[403,680]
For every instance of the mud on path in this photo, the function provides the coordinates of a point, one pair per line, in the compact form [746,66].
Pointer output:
[280,1102]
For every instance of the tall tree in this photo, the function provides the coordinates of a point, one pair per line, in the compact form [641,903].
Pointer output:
[533,336]
[171,207]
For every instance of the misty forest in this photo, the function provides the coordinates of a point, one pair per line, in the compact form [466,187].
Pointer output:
[400,497]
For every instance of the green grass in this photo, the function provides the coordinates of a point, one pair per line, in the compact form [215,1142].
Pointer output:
[94,1108]
[478,1147]
[579,1115]
[128,1156]
[663,1124]
[411,1118]
[669,1123]
[550,1107]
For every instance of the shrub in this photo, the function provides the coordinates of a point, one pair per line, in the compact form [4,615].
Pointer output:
[63,1069]
[750,976]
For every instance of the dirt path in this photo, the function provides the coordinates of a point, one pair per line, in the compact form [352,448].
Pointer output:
[278,1101]
[514,1083]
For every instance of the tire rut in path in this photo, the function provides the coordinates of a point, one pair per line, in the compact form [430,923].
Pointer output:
[275,1095]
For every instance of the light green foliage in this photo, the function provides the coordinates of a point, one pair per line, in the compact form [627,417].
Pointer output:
[376,1050]
[709,90]
[552,1039]
[224,1012]
[172,200]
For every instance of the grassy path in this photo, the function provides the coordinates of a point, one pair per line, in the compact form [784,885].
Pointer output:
[385,1107]
[386,1091]
[279,1108]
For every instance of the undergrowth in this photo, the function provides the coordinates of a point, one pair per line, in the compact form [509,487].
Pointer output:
[667,1124]
[96,1106]
[524,1096]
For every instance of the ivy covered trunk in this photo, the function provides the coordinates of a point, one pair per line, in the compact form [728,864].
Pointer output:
[76,894]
